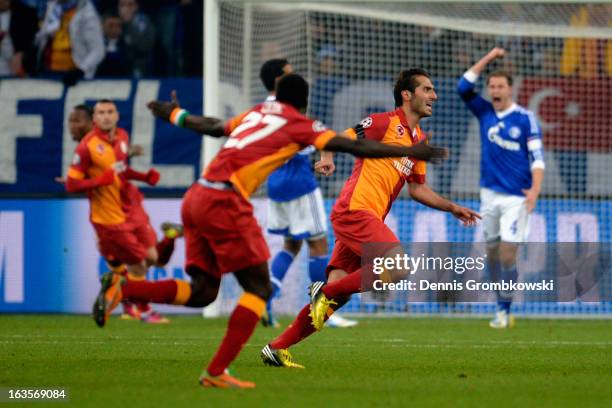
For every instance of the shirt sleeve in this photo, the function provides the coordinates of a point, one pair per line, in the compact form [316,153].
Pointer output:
[233,123]
[310,132]
[372,127]
[81,160]
[474,102]
[535,146]
[419,172]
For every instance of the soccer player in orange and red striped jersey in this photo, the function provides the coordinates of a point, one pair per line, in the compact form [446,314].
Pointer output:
[122,226]
[80,123]
[221,232]
[359,213]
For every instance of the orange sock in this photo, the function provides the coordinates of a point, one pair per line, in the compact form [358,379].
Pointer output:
[241,325]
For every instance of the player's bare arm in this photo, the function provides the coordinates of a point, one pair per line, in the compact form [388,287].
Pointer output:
[491,56]
[199,124]
[426,196]
[374,149]
[532,194]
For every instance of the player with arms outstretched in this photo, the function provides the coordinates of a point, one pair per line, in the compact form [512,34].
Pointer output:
[221,232]
[295,208]
[511,172]
[359,213]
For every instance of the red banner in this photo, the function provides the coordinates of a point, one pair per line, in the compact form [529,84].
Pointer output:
[576,114]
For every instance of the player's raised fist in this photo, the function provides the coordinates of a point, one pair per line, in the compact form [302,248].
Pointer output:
[496,52]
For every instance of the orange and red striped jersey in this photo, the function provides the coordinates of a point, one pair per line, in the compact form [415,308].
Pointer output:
[375,183]
[115,203]
[261,140]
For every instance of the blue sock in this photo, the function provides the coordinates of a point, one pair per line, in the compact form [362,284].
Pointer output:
[280,265]
[505,298]
[316,268]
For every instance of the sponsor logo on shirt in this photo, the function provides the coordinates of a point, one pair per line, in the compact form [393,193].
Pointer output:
[404,166]
[494,137]
[76,159]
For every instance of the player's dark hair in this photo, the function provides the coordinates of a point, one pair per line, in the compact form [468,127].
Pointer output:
[105,101]
[84,108]
[406,81]
[500,73]
[270,70]
[292,89]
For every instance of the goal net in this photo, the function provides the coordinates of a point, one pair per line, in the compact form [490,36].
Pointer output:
[559,54]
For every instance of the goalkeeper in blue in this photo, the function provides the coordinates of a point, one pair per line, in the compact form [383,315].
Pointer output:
[511,172]
[295,208]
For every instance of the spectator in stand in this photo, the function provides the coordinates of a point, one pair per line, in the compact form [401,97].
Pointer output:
[588,58]
[139,36]
[70,42]
[164,15]
[18,26]
[116,62]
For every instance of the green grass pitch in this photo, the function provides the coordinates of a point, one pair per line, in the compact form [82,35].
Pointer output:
[408,362]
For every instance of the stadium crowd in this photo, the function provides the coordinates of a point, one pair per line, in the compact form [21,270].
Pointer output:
[340,42]
[74,39]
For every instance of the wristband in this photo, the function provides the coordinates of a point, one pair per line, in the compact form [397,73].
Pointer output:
[177,116]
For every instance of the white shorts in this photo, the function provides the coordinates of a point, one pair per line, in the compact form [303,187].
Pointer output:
[300,218]
[504,216]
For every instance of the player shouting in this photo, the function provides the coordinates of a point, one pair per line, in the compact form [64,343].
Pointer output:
[359,213]
[511,172]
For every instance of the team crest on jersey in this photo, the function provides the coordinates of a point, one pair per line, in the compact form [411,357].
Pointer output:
[124,148]
[76,159]
[100,148]
[318,126]
[400,131]
[366,123]
[514,132]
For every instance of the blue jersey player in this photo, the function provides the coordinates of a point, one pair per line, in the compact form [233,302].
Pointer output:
[296,209]
[511,172]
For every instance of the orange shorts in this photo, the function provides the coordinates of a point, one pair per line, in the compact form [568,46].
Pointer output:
[353,229]
[221,232]
[126,243]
